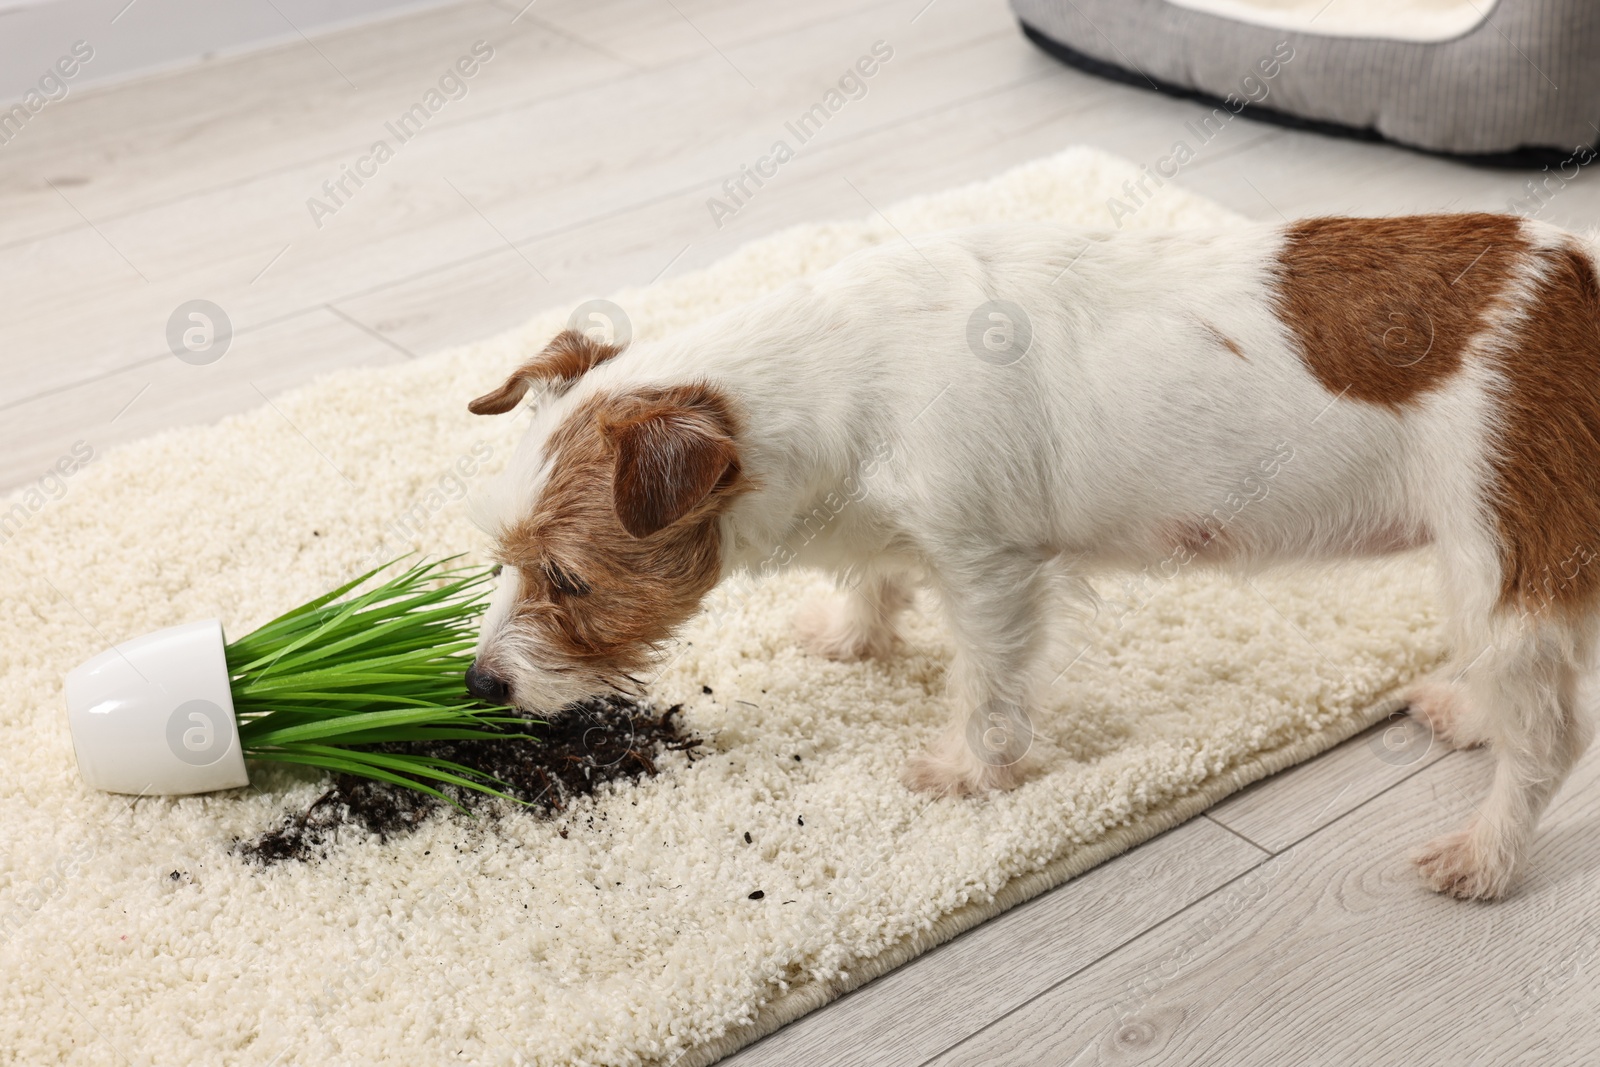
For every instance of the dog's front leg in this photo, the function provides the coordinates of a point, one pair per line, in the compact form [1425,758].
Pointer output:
[995,608]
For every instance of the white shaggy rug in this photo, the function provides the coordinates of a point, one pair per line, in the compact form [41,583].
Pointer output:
[623,932]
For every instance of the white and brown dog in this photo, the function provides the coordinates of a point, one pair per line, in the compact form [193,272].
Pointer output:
[1437,377]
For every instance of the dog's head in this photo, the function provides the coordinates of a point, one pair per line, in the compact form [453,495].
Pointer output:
[606,526]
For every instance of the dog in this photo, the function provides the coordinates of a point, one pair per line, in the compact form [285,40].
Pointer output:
[1033,398]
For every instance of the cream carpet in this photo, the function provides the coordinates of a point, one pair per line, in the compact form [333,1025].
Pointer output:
[624,932]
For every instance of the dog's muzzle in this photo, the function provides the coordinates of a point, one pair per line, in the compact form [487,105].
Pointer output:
[486,685]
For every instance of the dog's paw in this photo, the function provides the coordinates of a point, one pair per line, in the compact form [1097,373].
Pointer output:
[1442,707]
[940,775]
[830,628]
[1465,866]
[936,777]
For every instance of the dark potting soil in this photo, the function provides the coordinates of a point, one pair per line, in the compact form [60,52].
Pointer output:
[593,742]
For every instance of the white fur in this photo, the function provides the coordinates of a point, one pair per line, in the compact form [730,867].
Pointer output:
[887,451]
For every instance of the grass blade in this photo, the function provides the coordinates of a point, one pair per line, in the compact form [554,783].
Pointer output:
[357,667]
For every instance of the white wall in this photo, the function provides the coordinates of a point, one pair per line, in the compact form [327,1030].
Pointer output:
[151,35]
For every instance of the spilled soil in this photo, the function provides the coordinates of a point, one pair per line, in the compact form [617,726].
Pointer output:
[596,741]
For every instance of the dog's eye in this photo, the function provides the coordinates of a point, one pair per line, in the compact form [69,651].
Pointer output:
[564,582]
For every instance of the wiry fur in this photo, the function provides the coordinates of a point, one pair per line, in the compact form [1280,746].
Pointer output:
[1231,398]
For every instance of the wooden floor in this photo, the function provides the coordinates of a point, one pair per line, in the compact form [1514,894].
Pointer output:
[1283,927]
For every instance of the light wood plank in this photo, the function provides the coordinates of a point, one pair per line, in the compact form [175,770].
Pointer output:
[464,301]
[1334,951]
[1278,811]
[164,392]
[217,124]
[648,33]
[916,1011]
[446,196]
[152,141]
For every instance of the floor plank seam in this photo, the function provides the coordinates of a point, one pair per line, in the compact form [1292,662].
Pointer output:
[1268,136]
[370,332]
[1382,792]
[146,361]
[1265,850]
[1267,857]
[557,30]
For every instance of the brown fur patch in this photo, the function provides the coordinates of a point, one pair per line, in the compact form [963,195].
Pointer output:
[602,597]
[1383,308]
[569,356]
[1548,455]
[1224,340]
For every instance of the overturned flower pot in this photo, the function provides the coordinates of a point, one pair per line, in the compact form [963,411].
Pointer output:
[155,714]
[179,710]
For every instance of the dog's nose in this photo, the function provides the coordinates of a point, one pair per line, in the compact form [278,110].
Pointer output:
[486,685]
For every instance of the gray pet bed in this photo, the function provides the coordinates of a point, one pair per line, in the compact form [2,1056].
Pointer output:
[1513,78]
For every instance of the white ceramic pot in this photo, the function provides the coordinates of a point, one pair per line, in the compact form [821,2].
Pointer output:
[155,715]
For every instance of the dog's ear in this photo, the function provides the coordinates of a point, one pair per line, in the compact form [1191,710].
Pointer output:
[569,356]
[672,449]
